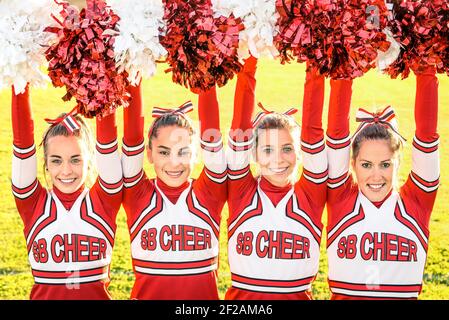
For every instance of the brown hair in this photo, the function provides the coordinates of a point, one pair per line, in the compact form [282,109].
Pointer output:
[84,134]
[377,131]
[276,121]
[168,120]
[279,121]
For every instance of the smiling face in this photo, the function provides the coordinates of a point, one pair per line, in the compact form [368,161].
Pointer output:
[375,167]
[66,162]
[277,156]
[172,155]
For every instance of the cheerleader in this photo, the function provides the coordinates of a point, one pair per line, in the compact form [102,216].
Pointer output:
[274,225]
[174,220]
[377,233]
[69,228]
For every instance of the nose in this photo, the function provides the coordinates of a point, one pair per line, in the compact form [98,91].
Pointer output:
[280,157]
[175,160]
[376,174]
[273,159]
[66,168]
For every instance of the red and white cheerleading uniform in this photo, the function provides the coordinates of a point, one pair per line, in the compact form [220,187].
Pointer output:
[69,237]
[174,231]
[274,233]
[378,250]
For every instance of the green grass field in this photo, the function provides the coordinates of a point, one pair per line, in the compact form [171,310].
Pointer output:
[278,87]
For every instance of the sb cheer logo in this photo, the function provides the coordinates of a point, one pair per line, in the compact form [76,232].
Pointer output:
[176,238]
[273,245]
[377,246]
[69,248]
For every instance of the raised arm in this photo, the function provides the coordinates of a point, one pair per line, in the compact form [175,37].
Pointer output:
[133,139]
[110,176]
[26,188]
[240,136]
[315,171]
[133,153]
[213,178]
[423,181]
[339,140]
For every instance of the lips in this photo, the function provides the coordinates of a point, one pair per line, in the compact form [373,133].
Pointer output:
[278,170]
[376,187]
[67,181]
[174,174]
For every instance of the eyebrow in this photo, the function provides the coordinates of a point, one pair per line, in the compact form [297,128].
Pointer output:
[388,160]
[284,145]
[59,157]
[167,148]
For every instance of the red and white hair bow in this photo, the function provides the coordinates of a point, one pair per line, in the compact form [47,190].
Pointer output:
[265,112]
[386,118]
[68,120]
[181,110]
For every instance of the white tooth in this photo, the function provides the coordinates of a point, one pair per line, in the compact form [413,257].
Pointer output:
[174,174]
[67,180]
[278,170]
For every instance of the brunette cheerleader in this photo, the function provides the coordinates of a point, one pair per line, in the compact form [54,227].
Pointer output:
[377,232]
[174,220]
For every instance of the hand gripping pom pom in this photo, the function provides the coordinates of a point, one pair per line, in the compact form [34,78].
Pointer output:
[341,38]
[421,28]
[259,18]
[296,18]
[23,42]
[137,48]
[82,59]
[361,32]
[202,50]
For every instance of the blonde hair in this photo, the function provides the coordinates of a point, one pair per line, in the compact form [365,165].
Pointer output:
[280,121]
[277,121]
[84,134]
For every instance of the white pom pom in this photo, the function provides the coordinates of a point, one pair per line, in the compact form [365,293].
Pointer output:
[384,59]
[137,48]
[259,18]
[23,42]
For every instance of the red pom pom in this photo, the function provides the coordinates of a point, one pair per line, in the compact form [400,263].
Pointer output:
[202,50]
[421,27]
[298,37]
[361,32]
[82,59]
[294,31]
[338,37]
